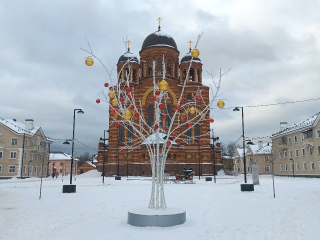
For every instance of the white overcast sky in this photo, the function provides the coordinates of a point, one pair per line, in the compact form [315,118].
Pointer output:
[271,46]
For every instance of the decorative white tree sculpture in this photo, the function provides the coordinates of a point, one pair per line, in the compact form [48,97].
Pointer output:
[126,110]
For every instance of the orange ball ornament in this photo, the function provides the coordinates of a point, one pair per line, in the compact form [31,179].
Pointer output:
[220,104]
[195,53]
[89,61]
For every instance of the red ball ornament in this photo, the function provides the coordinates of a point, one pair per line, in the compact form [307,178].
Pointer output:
[121,123]
[132,107]
[129,95]
[178,108]
[116,124]
[200,142]
[154,98]
[184,116]
[121,99]
[190,124]
[168,143]
[161,106]
[112,111]
[128,89]
[156,126]
[211,120]
[157,92]
[122,150]
[106,84]
[137,115]
[173,135]
[98,101]
[181,100]
[164,116]
[198,96]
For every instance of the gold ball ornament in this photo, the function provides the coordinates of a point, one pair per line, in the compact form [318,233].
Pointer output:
[114,102]
[163,85]
[220,104]
[192,110]
[89,61]
[111,94]
[127,115]
[195,53]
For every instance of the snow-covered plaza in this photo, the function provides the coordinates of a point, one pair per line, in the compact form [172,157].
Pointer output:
[214,210]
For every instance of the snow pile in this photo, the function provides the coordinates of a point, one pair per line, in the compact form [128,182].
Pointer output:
[90,174]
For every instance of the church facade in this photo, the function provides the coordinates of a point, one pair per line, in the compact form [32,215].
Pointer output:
[157,49]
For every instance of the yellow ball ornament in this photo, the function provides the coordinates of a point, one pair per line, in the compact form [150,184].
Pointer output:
[127,115]
[195,53]
[111,94]
[114,102]
[220,104]
[192,110]
[89,61]
[163,85]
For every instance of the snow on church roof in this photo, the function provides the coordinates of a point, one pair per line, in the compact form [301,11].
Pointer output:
[18,127]
[304,124]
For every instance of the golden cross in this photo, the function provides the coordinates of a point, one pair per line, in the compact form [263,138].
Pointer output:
[190,43]
[128,43]
[159,19]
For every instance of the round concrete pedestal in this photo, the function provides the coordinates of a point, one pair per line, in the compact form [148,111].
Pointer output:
[146,217]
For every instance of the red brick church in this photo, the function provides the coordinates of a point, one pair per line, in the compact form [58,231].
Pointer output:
[188,153]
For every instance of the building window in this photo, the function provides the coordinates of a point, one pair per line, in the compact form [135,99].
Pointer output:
[13,155]
[159,66]
[307,134]
[25,156]
[27,142]
[191,75]
[127,76]
[267,168]
[291,166]
[250,159]
[14,141]
[168,119]
[188,135]
[297,152]
[121,134]
[318,133]
[289,139]
[143,156]
[304,166]
[169,67]
[189,97]
[168,155]
[130,134]
[33,143]
[311,151]
[303,152]
[286,167]
[35,170]
[31,156]
[318,149]
[281,167]
[175,157]
[297,167]
[24,169]
[290,153]
[312,166]
[12,169]
[134,75]
[285,154]
[149,67]
[30,170]
[0,168]
[295,139]
[1,155]
[280,155]
[150,115]
[266,158]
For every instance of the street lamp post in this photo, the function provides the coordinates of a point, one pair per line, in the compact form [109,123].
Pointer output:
[197,140]
[104,151]
[212,147]
[243,145]
[66,188]
[292,166]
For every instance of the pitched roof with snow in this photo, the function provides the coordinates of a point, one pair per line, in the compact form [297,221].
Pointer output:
[266,148]
[61,156]
[310,122]
[18,127]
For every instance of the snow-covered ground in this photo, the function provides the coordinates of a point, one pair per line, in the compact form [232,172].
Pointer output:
[214,211]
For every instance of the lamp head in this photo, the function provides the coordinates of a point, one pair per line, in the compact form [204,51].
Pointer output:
[80,111]
[236,109]
[66,142]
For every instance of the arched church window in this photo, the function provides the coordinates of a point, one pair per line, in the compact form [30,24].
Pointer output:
[169,67]
[168,119]
[197,132]
[189,97]
[149,67]
[159,66]
[150,115]
[134,75]
[199,79]
[188,134]
[191,75]
[121,134]
[130,134]
[184,74]
[127,74]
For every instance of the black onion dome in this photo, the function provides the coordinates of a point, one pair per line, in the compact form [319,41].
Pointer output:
[188,57]
[128,56]
[159,38]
